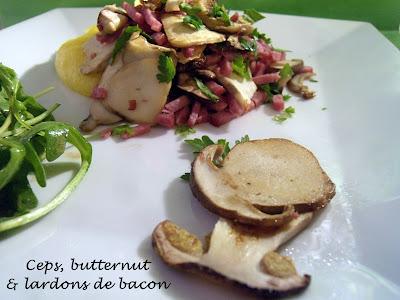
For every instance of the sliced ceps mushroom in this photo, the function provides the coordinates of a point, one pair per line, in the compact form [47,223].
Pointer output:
[241,88]
[241,26]
[187,83]
[197,53]
[132,88]
[172,5]
[235,254]
[295,64]
[181,35]
[98,115]
[97,55]
[111,19]
[260,182]
[296,85]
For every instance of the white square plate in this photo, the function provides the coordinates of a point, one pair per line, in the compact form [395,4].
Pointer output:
[352,248]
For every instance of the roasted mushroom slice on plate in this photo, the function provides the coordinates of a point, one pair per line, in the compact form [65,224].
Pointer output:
[236,254]
[111,19]
[260,182]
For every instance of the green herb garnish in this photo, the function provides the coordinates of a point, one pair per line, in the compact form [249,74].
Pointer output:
[220,12]
[324,108]
[261,36]
[248,45]
[199,144]
[191,19]
[313,80]
[252,15]
[166,67]
[286,72]
[243,140]
[123,40]
[240,67]
[184,130]
[121,130]
[286,97]
[271,89]
[185,176]
[286,114]
[24,146]
[281,50]
[206,91]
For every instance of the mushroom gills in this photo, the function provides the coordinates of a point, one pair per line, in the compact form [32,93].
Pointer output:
[236,254]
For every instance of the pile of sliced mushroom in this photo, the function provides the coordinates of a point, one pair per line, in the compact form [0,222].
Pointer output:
[215,55]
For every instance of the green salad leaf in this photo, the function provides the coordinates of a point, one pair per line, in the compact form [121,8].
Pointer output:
[28,135]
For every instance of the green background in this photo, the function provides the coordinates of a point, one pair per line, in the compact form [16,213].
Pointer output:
[383,14]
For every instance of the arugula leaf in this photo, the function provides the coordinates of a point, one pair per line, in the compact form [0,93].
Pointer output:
[123,40]
[286,97]
[185,176]
[193,21]
[240,67]
[286,72]
[220,12]
[55,143]
[184,130]
[166,68]
[286,114]
[206,91]
[261,36]
[252,15]
[244,139]
[248,45]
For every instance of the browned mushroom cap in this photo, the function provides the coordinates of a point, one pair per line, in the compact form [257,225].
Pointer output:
[296,85]
[111,18]
[260,182]
[239,255]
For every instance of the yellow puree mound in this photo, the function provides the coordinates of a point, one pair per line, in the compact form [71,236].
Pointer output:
[69,59]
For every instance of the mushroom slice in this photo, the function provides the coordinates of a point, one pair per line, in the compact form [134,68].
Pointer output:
[241,26]
[173,5]
[296,85]
[111,19]
[137,81]
[295,64]
[197,53]
[97,55]
[99,115]
[233,40]
[206,74]
[188,84]
[236,254]
[258,179]
[181,35]
[242,89]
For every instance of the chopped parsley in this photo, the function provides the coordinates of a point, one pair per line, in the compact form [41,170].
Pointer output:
[248,45]
[166,68]
[199,144]
[313,80]
[281,50]
[191,19]
[243,140]
[271,90]
[122,130]
[324,108]
[220,12]
[252,15]
[261,36]
[286,72]
[286,114]
[184,130]
[206,91]
[185,176]
[286,97]
[123,40]
[240,67]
